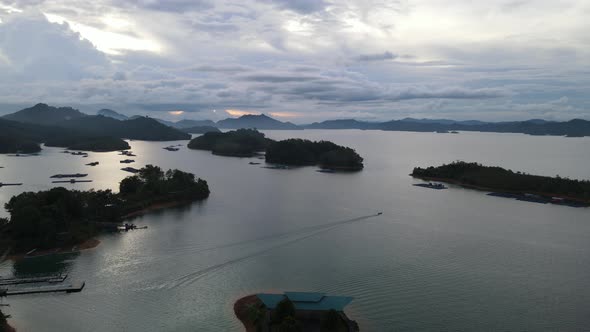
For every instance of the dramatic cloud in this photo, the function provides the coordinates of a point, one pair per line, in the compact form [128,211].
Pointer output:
[304,60]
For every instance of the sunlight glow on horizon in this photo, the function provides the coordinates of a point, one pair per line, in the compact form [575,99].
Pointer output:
[238,113]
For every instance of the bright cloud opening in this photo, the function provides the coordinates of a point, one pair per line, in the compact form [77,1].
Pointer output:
[238,113]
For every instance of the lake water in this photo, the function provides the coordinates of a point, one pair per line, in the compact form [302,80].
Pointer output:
[435,260]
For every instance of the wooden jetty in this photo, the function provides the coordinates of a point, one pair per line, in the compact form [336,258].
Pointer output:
[31,280]
[71,288]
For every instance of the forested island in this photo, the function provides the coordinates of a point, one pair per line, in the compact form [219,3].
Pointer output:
[499,179]
[59,217]
[303,152]
[296,152]
[236,143]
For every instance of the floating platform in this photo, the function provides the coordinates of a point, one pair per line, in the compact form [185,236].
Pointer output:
[127,161]
[71,181]
[17,281]
[93,163]
[540,199]
[436,186]
[71,288]
[171,148]
[10,184]
[61,176]
[130,170]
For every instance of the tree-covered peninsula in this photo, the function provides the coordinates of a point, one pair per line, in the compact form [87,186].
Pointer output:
[236,143]
[296,152]
[503,180]
[60,217]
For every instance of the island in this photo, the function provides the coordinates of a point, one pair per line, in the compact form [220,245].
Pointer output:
[292,152]
[294,311]
[506,183]
[325,154]
[61,218]
[236,143]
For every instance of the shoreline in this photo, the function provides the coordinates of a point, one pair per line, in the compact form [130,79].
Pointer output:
[480,188]
[154,207]
[86,245]
[241,310]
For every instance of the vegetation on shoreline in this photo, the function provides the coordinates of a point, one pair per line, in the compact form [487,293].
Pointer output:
[500,179]
[305,152]
[62,217]
[298,152]
[237,143]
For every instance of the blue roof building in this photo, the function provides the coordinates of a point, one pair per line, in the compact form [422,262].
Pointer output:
[306,301]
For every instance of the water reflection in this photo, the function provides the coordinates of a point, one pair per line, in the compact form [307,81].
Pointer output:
[43,265]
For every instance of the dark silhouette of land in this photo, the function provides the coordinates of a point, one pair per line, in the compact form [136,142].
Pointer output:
[477,176]
[296,152]
[60,217]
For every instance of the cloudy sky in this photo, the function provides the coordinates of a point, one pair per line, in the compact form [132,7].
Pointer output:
[300,60]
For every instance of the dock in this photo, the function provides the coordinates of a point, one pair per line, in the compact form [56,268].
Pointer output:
[71,288]
[49,279]
[75,175]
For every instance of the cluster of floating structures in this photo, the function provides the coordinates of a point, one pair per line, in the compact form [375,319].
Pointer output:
[23,155]
[431,185]
[74,175]
[40,284]
[126,153]
[172,148]
[127,161]
[9,184]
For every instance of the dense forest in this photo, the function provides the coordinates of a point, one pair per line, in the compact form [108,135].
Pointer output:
[305,152]
[237,143]
[59,217]
[500,179]
[298,152]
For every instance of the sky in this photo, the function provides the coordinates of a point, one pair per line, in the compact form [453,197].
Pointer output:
[300,60]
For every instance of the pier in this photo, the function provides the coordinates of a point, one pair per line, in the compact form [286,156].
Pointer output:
[71,288]
[71,181]
[17,281]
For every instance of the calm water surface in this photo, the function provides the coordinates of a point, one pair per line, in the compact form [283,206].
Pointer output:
[435,260]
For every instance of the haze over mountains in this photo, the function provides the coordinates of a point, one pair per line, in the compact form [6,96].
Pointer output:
[70,128]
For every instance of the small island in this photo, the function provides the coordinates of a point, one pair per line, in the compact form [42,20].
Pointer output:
[325,154]
[294,311]
[506,183]
[235,143]
[61,218]
[293,152]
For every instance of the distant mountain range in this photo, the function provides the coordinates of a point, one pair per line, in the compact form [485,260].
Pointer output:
[65,126]
[22,131]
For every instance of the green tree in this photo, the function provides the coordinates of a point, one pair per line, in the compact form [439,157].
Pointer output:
[284,309]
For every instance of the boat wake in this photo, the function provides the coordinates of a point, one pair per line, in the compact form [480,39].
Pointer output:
[306,232]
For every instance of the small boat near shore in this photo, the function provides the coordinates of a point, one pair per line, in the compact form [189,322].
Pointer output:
[171,148]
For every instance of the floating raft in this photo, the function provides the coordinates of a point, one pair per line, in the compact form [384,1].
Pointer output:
[130,170]
[50,279]
[93,163]
[127,161]
[76,175]
[71,181]
[10,184]
[71,288]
